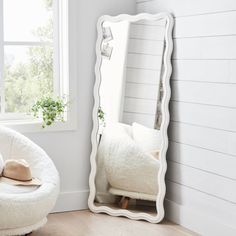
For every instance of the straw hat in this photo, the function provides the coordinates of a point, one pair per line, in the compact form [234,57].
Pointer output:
[17,172]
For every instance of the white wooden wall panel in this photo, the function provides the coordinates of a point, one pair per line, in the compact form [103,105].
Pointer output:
[201,179]
[148,62]
[144,119]
[211,139]
[148,47]
[198,220]
[148,22]
[206,93]
[204,115]
[195,26]
[205,48]
[141,91]
[207,160]
[142,76]
[201,202]
[215,71]
[141,106]
[148,32]
[186,7]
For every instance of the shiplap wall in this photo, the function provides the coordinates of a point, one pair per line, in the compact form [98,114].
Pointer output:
[201,177]
[143,69]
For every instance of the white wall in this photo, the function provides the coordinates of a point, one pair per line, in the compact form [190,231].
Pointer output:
[201,178]
[71,150]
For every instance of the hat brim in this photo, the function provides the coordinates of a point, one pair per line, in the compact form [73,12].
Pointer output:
[33,182]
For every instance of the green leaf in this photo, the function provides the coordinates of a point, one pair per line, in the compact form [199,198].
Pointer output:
[49,109]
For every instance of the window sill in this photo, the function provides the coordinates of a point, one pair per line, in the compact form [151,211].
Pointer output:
[35,126]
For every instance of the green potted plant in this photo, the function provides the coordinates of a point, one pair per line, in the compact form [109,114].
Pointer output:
[101,117]
[49,109]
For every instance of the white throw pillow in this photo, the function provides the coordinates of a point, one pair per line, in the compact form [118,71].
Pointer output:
[1,164]
[127,167]
[148,139]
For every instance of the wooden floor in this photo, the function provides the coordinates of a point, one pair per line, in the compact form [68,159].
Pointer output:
[85,223]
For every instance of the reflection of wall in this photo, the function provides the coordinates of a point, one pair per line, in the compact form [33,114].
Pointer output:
[146,42]
[112,71]
[201,178]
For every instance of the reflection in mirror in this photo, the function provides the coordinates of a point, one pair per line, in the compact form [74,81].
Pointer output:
[130,135]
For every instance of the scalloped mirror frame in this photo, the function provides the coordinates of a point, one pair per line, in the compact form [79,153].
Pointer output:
[165,120]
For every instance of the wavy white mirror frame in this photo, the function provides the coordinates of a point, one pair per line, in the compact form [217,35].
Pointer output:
[165,121]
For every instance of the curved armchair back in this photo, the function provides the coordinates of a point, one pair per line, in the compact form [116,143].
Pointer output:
[14,145]
[6,138]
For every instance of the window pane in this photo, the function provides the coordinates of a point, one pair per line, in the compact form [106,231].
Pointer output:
[28,75]
[28,20]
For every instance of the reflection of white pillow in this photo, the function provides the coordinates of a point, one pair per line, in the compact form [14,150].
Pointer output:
[1,164]
[148,139]
[127,167]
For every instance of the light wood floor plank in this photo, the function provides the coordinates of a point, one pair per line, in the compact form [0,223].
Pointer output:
[85,223]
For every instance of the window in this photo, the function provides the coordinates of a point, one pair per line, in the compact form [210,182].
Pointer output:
[33,57]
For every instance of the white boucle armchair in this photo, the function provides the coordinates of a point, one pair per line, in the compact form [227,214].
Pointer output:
[23,212]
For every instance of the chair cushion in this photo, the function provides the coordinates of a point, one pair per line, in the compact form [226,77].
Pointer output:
[13,189]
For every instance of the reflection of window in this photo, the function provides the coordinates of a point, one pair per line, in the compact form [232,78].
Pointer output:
[30,45]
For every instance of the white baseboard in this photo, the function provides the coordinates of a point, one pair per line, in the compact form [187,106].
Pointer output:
[197,221]
[72,201]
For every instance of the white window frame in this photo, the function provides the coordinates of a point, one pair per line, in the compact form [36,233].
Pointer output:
[61,85]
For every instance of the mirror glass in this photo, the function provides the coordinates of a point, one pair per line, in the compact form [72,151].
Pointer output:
[130,114]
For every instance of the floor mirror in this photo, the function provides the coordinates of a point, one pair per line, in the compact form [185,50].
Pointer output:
[131,116]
